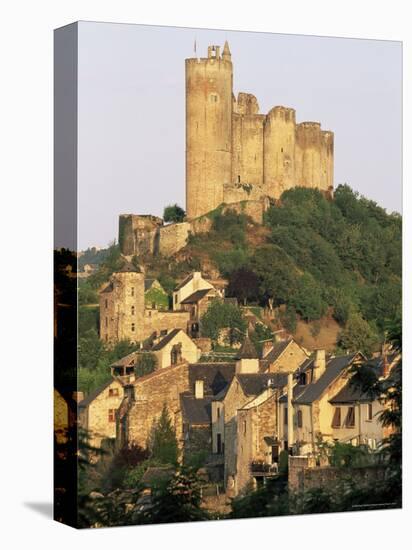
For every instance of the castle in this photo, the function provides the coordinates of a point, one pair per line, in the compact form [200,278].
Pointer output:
[235,157]
[234,153]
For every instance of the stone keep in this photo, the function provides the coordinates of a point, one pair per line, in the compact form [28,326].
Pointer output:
[235,153]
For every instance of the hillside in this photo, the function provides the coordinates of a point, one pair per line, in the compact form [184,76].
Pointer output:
[329,271]
[339,259]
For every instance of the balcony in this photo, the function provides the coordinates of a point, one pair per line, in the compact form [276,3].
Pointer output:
[263,469]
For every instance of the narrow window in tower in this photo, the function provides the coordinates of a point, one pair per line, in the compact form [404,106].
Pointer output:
[132,310]
[281,149]
[132,327]
[238,179]
[213,98]
[132,291]
[105,304]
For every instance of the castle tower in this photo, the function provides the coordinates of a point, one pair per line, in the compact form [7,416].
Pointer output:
[122,305]
[308,155]
[209,84]
[247,141]
[279,151]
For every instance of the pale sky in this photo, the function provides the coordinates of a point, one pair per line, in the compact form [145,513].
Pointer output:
[131,101]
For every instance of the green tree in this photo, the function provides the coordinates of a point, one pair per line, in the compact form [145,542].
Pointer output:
[358,335]
[173,213]
[307,298]
[244,285]
[145,364]
[177,500]
[219,316]
[164,447]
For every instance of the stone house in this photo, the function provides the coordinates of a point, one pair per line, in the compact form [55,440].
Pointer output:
[146,396]
[174,348]
[247,384]
[196,305]
[257,440]
[97,412]
[191,284]
[307,414]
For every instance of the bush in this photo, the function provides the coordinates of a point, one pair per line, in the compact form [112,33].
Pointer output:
[174,213]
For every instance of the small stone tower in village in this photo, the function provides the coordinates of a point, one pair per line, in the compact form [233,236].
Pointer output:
[122,306]
[234,153]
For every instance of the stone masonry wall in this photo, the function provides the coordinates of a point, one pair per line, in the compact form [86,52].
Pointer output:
[151,393]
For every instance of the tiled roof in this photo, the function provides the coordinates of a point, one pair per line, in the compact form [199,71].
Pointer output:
[125,361]
[128,267]
[196,411]
[196,296]
[350,394]
[254,384]
[108,288]
[248,350]
[276,351]
[215,376]
[334,367]
[92,396]
[167,339]
[184,282]
[148,284]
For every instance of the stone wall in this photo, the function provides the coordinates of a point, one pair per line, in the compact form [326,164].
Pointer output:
[157,321]
[305,475]
[151,392]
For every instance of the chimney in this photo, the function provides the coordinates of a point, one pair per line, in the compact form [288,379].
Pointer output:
[199,389]
[290,410]
[319,365]
[267,346]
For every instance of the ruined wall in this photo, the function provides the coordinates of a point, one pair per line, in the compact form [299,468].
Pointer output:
[137,234]
[151,392]
[208,131]
[171,238]
[156,321]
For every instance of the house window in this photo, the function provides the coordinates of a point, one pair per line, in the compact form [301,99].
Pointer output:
[302,379]
[112,415]
[336,422]
[285,416]
[350,418]
[132,310]
[175,298]
[218,412]
[113,392]
[300,419]
[106,321]
[105,304]
[244,426]
[369,413]
[132,327]
[213,98]
[132,291]
[219,444]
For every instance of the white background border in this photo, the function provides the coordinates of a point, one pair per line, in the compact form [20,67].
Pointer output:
[26,45]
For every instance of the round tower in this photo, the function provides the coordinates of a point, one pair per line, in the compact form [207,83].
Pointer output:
[208,129]
[279,151]
[308,155]
[326,159]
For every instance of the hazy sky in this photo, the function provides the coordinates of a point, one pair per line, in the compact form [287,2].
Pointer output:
[132,111]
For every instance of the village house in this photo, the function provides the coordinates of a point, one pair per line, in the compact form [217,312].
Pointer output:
[191,284]
[174,348]
[97,412]
[196,305]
